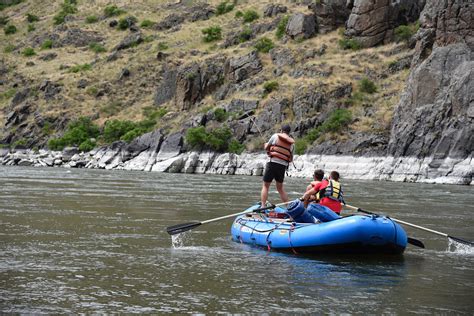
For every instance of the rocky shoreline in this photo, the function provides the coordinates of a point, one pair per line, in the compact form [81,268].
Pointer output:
[402,169]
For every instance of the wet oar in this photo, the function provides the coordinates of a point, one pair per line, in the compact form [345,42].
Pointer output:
[466,242]
[177,229]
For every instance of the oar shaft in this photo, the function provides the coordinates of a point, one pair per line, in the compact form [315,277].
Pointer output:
[402,222]
[240,213]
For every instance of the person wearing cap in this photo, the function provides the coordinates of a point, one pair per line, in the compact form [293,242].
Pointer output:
[280,149]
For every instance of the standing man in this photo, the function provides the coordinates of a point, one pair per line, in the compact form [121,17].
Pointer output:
[280,150]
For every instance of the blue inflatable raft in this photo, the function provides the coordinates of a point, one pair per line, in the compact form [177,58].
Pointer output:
[356,234]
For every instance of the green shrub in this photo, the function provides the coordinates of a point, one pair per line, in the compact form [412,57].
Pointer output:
[212,33]
[245,35]
[92,19]
[235,147]
[403,33]
[3,20]
[224,7]
[9,48]
[6,4]
[115,129]
[67,8]
[111,108]
[28,52]
[87,145]
[270,86]
[31,28]
[125,23]
[300,146]
[147,23]
[113,10]
[7,94]
[9,29]
[239,14]
[47,44]
[220,115]
[264,45]
[367,86]
[31,18]
[162,46]
[281,27]
[80,68]
[338,119]
[350,43]
[196,137]
[152,113]
[250,16]
[97,48]
[218,139]
[76,134]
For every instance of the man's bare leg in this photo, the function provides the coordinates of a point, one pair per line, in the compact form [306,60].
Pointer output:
[264,193]
[281,191]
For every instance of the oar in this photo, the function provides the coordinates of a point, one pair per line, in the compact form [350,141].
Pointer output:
[177,229]
[466,242]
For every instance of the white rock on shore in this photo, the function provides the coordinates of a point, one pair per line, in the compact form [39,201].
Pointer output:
[403,169]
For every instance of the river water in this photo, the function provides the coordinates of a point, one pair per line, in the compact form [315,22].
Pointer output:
[94,241]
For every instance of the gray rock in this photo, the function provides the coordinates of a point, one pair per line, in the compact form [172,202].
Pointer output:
[274,9]
[50,89]
[432,115]
[282,57]
[82,84]
[170,21]
[243,67]
[130,40]
[301,26]
[125,73]
[79,38]
[167,86]
[307,102]
[331,14]
[241,106]
[372,21]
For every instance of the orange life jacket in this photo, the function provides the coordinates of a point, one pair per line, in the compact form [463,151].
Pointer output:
[282,148]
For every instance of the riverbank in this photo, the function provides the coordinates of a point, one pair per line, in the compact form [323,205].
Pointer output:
[402,169]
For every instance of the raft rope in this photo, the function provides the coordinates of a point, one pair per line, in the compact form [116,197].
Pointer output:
[293,225]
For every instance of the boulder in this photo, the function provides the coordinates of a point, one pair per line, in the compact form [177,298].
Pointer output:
[282,57]
[78,38]
[274,9]
[241,106]
[130,40]
[331,14]
[50,89]
[243,67]
[170,21]
[301,26]
[307,102]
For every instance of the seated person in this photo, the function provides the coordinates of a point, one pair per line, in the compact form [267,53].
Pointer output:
[328,192]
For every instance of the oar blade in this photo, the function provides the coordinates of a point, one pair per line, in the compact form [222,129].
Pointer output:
[462,241]
[180,228]
[416,242]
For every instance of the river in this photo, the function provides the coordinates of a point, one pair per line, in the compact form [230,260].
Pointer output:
[94,241]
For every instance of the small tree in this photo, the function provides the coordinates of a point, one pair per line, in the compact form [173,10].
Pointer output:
[212,33]
[368,86]
[264,45]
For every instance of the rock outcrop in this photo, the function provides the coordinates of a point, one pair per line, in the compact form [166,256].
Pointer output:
[301,26]
[331,14]
[434,119]
[372,22]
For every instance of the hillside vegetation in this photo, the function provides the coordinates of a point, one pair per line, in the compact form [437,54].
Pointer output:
[114,63]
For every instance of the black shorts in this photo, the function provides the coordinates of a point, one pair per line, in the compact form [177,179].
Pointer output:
[275,171]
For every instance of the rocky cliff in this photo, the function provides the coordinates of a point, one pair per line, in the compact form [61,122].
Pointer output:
[352,78]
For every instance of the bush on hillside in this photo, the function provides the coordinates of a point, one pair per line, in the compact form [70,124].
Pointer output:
[212,33]
[236,147]
[337,120]
[28,52]
[31,18]
[47,44]
[224,7]
[264,45]
[220,115]
[250,16]
[147,23]
[78,133]
[218,139]
[367,86]
[404,33]
[113,10]
[31,28]
[4,20]
[67,8]
[80,68]
[245,35]
[6,4]
[9,29]
[97,48]
[125,23]
[281,27]
[350,43]
[92,19]
[269,87]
